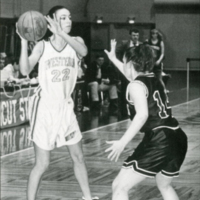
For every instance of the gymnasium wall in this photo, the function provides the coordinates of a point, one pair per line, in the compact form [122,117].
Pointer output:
[179,21]
[84,10]
[14,8]
[119,11]
[182,39]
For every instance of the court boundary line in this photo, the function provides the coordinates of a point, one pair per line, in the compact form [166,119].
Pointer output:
[82,133]
[184,103]
[94,129]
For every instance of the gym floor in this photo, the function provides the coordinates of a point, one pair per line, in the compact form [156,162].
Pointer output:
[59,181]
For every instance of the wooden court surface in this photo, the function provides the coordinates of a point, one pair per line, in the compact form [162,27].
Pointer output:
[59,182]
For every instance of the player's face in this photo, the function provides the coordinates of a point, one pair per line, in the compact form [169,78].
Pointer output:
[64,18]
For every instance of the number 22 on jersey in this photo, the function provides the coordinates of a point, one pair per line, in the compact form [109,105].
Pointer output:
[59,76]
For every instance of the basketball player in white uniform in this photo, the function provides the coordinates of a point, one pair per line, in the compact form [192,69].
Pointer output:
[52,119]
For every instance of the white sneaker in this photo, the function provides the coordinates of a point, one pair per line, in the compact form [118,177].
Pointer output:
[85,109]
[93,198]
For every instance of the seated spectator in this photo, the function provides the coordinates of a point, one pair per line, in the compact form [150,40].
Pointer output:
[2,65]
[9,67]
[98,78]
[12,67]
[83,67]
[10,71]
[2,60]
[85,100]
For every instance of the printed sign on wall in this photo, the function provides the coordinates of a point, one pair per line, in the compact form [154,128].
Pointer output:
[14,111]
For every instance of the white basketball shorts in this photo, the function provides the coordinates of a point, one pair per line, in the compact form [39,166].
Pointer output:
[53,123]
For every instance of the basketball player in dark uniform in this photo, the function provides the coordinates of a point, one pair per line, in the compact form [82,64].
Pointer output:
[163,148]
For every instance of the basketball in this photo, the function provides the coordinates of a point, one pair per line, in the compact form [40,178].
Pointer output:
[32,25]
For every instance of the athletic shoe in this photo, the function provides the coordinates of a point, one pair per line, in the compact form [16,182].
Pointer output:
[93,198]
[85,109]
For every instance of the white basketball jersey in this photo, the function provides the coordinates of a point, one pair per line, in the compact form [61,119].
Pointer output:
[58,71]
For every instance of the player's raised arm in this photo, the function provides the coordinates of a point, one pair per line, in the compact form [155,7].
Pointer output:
[27,63]
[76,43]
[112,56]
[31,26]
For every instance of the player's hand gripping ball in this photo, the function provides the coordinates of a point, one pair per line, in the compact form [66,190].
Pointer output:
[32,26]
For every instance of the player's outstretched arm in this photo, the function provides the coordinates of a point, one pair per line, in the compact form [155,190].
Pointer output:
[77,44]
[138,95]
[112,56]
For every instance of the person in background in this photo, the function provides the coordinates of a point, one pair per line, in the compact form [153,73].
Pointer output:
[133,41]
[2,60]
[98,79]
[83,67]
[4,74]
[156,43]
[12,67]
[10,71]
[85,99]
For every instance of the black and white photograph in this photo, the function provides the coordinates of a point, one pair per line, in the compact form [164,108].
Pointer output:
[100,99]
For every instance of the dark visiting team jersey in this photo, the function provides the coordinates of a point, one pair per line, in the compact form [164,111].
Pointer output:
[160,114]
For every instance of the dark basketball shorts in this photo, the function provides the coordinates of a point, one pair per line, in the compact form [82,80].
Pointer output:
[162,150]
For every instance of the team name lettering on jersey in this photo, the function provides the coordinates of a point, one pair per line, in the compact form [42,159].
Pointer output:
[60,61]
